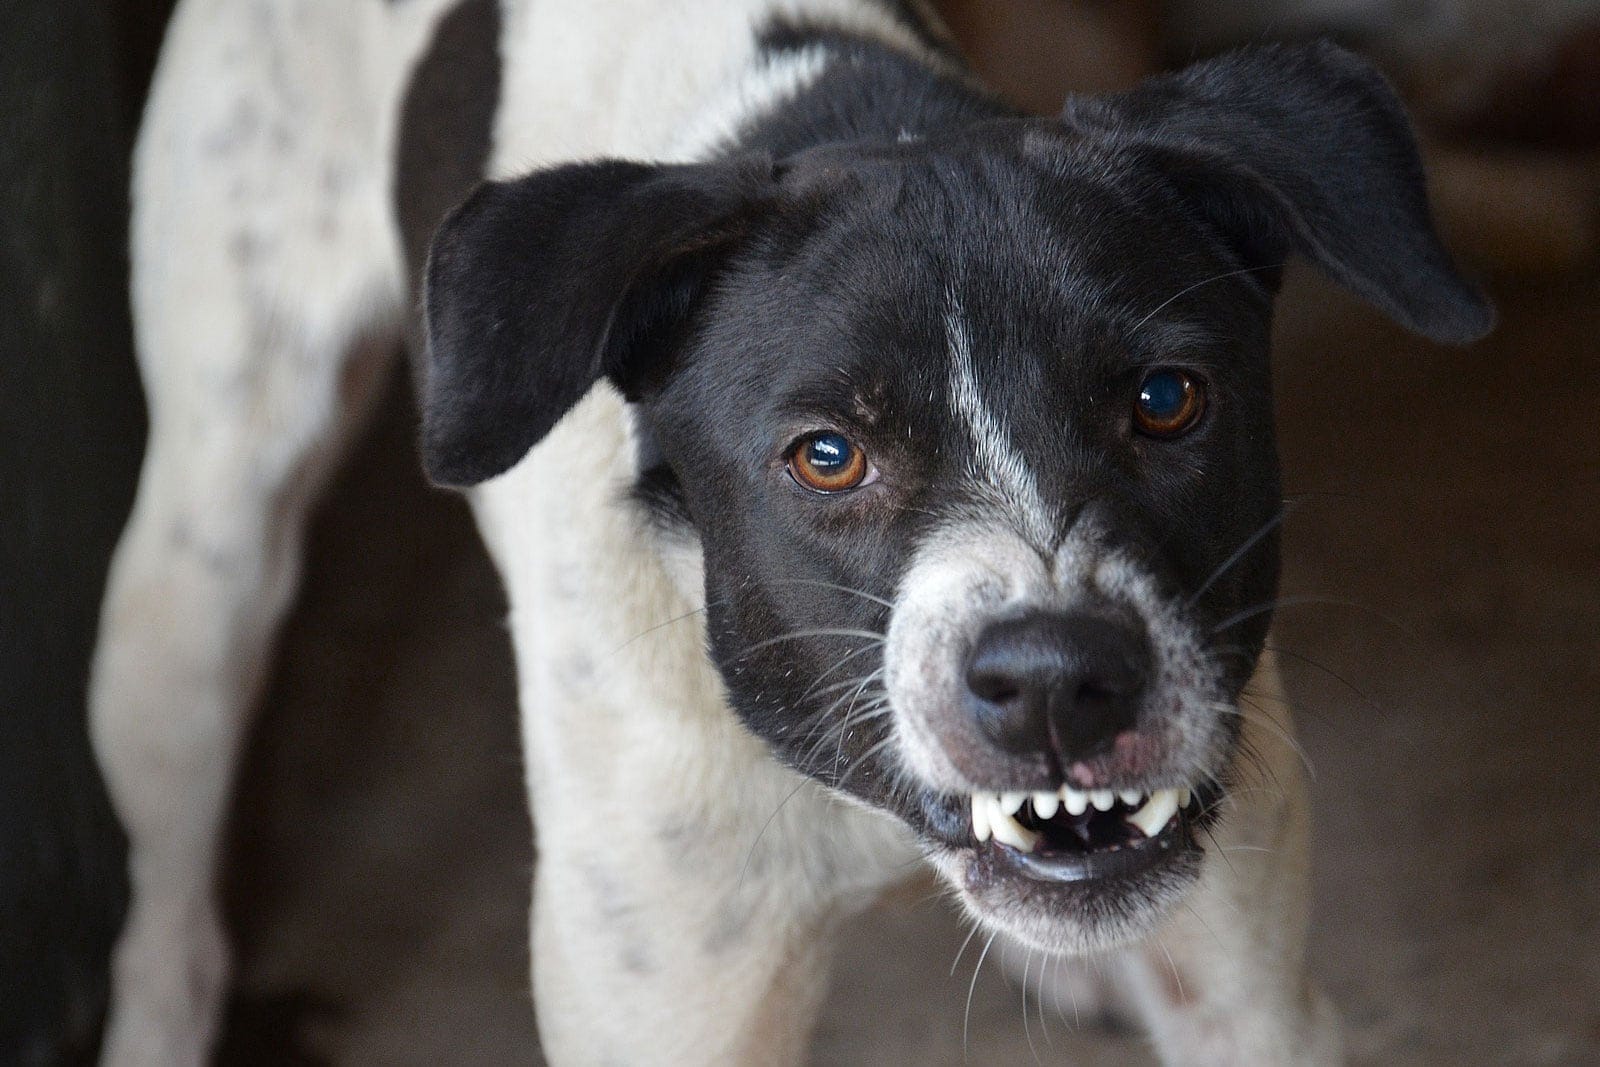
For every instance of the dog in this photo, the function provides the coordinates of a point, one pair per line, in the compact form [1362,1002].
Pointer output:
[878,477]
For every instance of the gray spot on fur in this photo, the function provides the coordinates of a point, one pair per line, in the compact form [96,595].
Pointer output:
[241,127]
[246,247]
[186,540]
[730,929]
[619,919]
[575,672]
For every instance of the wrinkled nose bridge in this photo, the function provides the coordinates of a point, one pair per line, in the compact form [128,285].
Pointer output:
[1074,551]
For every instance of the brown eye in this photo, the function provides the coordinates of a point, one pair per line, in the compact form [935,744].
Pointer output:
[827,463]
[1170,403]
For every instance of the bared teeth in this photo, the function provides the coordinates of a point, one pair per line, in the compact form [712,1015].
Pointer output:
[1007,830]
[980,816]
[1157,812]
[1076,802]
[995,815]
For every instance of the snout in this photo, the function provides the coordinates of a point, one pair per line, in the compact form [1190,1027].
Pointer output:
[1068,727]
[1064,684]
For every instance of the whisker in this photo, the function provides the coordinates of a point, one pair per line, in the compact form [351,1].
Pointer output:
[876,711]
[1238,554]
[1279,650]
[1217,845]
[844,725]
[1262,718]
[751,854]
[661,625]
[864,757]
[874,705]
[1204,924]
[846,658]
[1292,601]
[976,926]
[1027,1031]
[1186,290]
[966,1019]
[863,594]
[1176,977]
[797,635]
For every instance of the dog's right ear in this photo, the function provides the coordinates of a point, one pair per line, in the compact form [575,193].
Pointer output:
[537,288]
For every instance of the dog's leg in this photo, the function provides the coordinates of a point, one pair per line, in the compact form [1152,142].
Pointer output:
[686,938]
[686,883]
[1225,982]
[266,289]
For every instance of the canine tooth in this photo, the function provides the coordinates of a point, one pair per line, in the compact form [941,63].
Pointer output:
[1011,803]
[1008,831]
[1102,799]
[1045,804]
[1184,797]
[980,816]
[1157,812]
[1077,803]
[1130,797]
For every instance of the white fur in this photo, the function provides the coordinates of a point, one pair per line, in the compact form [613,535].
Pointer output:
[692,929]
[999,465]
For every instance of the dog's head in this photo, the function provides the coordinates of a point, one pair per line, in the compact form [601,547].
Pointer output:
[973,432]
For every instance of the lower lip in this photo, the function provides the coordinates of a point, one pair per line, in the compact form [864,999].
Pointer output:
[1072,868]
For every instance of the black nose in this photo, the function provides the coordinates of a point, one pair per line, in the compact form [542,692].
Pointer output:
[1071,682]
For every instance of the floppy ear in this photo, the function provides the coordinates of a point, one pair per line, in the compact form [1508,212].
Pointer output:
[1300,148]
[537,288]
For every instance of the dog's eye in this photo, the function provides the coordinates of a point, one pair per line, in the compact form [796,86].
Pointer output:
[827,463]
[1170,403]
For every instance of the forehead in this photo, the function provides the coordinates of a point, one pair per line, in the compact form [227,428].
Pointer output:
[1041,276]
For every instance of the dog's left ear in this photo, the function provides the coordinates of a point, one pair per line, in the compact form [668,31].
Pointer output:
[537,288]
[1299,148]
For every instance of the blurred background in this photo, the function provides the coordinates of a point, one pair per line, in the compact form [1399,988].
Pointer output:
[380,857]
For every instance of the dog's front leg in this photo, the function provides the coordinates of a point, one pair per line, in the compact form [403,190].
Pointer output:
[677,936]
[1225,982]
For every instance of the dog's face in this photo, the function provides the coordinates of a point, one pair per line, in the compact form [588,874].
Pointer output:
[974,436]
[967,508]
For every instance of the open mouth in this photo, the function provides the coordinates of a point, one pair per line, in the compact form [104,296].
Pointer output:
[1075,835]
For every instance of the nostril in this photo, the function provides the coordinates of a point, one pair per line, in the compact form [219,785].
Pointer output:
[993,686]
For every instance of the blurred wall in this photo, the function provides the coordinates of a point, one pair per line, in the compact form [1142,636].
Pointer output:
[72,74]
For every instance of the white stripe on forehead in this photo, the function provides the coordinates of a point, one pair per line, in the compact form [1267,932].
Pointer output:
[995,462]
